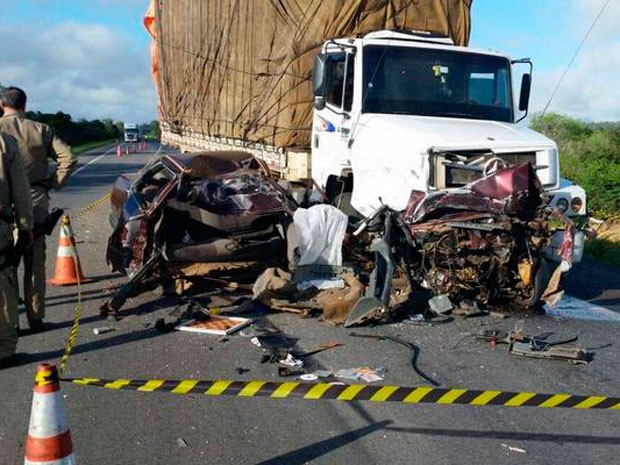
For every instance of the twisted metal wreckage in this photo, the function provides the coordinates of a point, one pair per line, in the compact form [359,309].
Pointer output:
[221,215]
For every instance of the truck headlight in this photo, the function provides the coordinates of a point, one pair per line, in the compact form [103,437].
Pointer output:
[575,204]
[562,204]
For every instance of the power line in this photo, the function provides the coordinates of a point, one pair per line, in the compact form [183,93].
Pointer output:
[570,63]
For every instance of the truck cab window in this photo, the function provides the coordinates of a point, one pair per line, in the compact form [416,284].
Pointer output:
[484,88]
[443,83]
[338,87]
[334,79]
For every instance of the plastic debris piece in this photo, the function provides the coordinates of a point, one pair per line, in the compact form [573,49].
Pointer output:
[323,373]
[309,377]
[292,361]
[440,304]
[103,330]
[364,373]
[371,377]
[514,449]
[182,442]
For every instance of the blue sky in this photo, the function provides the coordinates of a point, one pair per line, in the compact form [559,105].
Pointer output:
[123,16]
[90,58]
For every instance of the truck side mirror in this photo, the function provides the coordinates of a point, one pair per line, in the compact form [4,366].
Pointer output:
[318,81]
[318,75]
[524,98]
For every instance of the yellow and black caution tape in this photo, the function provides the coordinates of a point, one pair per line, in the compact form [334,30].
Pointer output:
[354,392]
[73,336]
[93,205]
[75,328]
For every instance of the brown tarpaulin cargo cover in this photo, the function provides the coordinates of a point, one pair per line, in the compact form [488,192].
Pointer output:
[242,68]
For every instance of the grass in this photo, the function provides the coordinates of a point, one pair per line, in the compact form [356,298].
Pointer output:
[79,149]
[606,247]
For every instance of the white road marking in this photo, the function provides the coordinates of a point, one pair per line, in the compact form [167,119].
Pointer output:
[93,161]
[571,307]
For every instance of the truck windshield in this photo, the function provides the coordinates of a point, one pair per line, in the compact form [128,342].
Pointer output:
[431,82]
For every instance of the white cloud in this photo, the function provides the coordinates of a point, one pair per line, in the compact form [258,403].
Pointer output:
[589,90]
[609,23]
[87,70]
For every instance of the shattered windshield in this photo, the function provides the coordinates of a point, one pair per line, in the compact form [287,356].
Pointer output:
[431,82]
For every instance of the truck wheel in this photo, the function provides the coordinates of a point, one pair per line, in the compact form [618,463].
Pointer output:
[343,203]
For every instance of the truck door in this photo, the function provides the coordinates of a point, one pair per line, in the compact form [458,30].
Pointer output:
[332,125]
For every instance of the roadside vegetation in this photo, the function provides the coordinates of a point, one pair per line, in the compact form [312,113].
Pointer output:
[590,157]
[80,132]
[151,130]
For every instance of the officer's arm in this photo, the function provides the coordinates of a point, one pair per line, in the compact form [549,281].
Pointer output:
[66,160]
[20,191]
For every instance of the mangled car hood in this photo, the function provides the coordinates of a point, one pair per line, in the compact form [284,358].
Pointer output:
[514,191]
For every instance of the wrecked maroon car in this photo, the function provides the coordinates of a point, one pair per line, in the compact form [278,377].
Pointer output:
[495,243]
[196,214]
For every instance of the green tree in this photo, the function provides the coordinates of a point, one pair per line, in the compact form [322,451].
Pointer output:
[589,156]
[154,130]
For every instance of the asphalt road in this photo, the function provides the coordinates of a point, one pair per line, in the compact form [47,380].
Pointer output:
[110,427]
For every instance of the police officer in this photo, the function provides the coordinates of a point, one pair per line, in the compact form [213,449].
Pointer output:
[37,143]
[15,209]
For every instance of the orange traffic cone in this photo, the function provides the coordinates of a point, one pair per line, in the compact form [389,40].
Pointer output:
[49,439]
[119,151]
[68,269]
[127,150]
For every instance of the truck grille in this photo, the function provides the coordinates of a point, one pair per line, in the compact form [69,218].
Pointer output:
[457,168]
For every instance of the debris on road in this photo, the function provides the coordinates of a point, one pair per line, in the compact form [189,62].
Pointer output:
[364,373]
[541,346]
[284,372]
[321,348]
[514,449]
[440,304]
[415,352]
[103,330]
[214,324]
[291,361]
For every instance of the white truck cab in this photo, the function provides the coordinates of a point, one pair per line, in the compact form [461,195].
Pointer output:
[398,111]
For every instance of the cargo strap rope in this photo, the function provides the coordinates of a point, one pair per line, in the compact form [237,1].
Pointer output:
[354,392]
[75,328]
